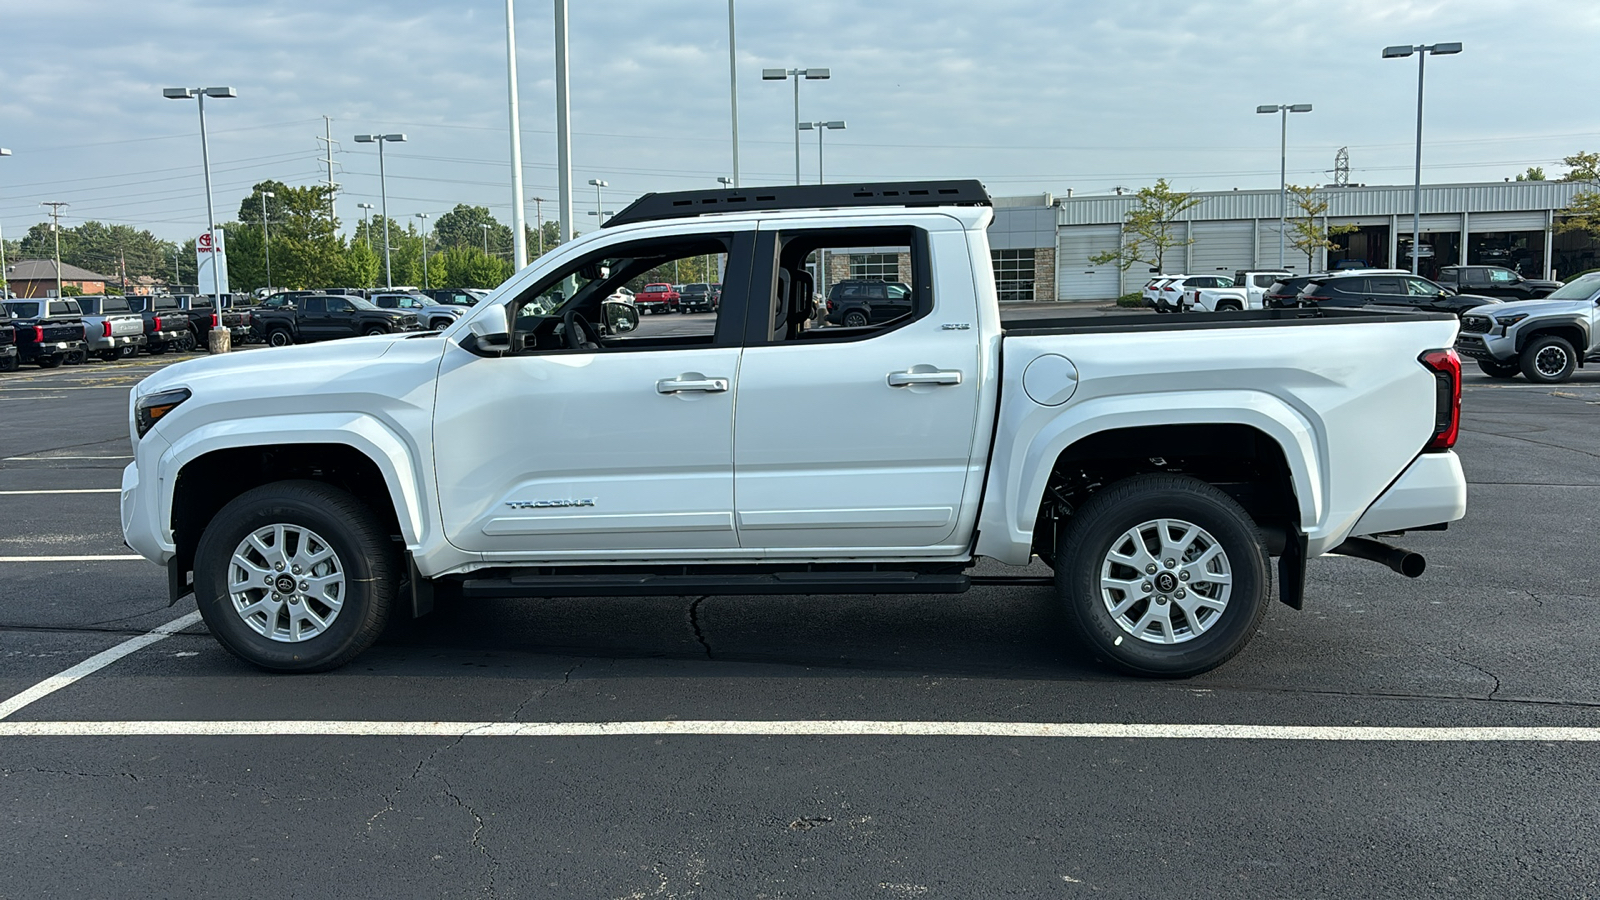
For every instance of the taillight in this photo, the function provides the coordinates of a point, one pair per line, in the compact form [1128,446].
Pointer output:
[106,325]
[158,324]
[1446,368]
[216,320]
[38,334]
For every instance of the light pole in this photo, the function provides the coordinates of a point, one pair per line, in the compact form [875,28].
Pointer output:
[563,128]
[1400,52]
[796,74]
[733,91]
[519,239]
[5,280]
[485,227]
[200,94]
[819,127]
[366,220]
[598,185]
[424,218]
[1283,109]
[266,238]
[383,190]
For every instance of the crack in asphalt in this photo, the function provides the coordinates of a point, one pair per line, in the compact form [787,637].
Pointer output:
[1482,671]
[6,772]
[694,622]
[566,678]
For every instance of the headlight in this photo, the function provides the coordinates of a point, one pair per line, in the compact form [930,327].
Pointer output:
[1510,320]
[154,407]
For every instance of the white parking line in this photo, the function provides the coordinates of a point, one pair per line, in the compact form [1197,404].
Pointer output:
[27,559]
[64,491]
[804,728]
[95,663]
[48,458]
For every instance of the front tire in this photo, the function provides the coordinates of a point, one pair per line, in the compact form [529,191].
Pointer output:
[375,329]
[279,337]
[295,576]
[1504,371]
[1164,575]
[1548,359]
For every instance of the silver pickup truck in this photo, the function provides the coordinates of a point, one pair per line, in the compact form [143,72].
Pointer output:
[111,327]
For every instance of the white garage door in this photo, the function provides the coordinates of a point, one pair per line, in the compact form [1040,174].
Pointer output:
[1221,248]
[1076,277]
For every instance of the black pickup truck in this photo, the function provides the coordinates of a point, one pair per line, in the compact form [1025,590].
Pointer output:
[326,317]
[8,343]
[204,315]
[166,324]
[49,331]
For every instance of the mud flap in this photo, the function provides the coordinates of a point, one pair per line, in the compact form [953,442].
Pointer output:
[1292,572]
[417,590]
[179,582]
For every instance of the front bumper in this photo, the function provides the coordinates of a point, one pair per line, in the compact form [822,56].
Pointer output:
[1491,347]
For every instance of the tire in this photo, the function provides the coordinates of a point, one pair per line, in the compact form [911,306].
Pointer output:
[376,329]
[155,349]
[855,319]
[1548,359]
[109,355]
[48,362]
[10,363]
[279,337]
[1229,306]
[1499,370]
[75,357]
[281,524]
[1119,630]
[186,343]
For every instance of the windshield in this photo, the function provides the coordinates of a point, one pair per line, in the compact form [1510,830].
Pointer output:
[23,310]
[360,303]
[1581,289]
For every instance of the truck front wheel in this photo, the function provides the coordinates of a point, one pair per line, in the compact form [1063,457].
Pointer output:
[279,337]
[1548,359]
[1164,575]
[295,576]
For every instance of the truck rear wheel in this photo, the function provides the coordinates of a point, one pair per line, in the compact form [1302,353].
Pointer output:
[49,362]
[1164,575]
[295,576]
[1548,359]
[1498,370]
[855,319]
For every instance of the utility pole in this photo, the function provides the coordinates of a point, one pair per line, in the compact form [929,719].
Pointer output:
[563,127]
[5,280]
[538,228]
[266,236]
[55,228]
[733,90]
[327,140]
[519,237]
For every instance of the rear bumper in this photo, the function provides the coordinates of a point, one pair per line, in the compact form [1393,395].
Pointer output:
[31,351]
[1431,491]
[96,344]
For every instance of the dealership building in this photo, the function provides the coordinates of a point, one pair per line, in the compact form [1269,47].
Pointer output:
[1041,241]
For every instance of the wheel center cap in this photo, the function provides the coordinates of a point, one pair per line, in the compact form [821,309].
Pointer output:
[1166,582]
[284,584]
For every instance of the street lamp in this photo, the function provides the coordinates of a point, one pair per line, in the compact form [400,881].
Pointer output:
[5,280]
[266,238]
[200,95]
[725,181]
[1283,109]
[1401,52]
[424,218]
[796,74]
[366,220]
[819,127]
[485,227]
[598,184]
[383,190]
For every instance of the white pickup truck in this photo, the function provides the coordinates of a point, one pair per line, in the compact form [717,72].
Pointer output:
[551,445]
[1246,293]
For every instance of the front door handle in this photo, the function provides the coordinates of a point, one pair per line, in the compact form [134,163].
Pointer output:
[940,376]
[681,385]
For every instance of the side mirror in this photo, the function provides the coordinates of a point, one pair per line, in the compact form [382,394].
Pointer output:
[620,318]
[480,341]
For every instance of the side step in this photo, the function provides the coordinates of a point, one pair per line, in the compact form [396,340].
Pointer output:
[627,584]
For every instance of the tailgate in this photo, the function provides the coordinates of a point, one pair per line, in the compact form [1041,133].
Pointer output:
[126,326]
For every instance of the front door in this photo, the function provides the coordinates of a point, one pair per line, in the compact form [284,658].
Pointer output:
[858,442]
[573,449]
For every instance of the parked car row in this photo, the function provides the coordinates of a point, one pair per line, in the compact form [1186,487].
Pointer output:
[1258,290]
[53,331]
[660,297]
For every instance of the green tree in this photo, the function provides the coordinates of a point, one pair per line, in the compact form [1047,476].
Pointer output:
[470,267]
[1582,166]
[362,266]
[1581,215]
[1534,173]
[1147,230]
[1308,229]
[463,227]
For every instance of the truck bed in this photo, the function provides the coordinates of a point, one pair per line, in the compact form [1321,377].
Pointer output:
[1018,325]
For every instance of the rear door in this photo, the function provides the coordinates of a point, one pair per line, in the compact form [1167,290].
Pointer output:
[313,319]
[858,441]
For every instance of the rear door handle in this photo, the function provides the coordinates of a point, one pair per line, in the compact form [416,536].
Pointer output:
[684,385]
[941,376]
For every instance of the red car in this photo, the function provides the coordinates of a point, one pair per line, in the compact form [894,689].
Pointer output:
[657,298]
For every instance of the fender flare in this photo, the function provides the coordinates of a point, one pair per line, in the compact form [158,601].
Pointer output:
[399,463]
[1008,536]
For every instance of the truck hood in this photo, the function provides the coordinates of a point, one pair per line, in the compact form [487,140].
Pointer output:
[1532,308]
[288,367]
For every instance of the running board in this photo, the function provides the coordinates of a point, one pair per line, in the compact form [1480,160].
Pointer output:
[644,584]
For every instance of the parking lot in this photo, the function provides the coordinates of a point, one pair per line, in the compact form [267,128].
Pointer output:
[809,746]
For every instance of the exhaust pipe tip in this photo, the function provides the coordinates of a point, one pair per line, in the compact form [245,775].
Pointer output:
[1408,563]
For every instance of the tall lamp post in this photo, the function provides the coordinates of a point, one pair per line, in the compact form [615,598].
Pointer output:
[200,94]
[1283,109]
[266,238]
[796,74]
[485,227]
[733,91]
[366,219]
[598,185]
[5,280]
[424,218]
[383,190]
[1422,51]
[819,127]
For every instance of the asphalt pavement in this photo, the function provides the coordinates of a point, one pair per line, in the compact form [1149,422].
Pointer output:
[810,746]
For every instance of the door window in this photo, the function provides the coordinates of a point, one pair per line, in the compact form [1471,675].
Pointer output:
[1418,287]
[843,284]
[1385,285]
[335,305]
[1476,278]
[603,315]
[1502,276]
[316,304]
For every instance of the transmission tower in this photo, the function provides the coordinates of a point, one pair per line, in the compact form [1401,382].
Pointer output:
[1341,167]
[328,142]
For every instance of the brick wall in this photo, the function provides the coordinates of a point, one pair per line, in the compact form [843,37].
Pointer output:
[1044,273]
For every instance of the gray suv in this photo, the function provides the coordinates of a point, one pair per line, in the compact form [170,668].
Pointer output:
[1546,340]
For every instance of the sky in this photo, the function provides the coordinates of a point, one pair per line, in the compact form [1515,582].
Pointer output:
[1027,95]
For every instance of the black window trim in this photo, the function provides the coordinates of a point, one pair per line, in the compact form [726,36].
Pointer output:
[758,328]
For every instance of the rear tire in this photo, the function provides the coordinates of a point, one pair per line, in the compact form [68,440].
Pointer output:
[48,362]
[1180,609]
[75,357]
[326,546]
[1548,359]
[109,355]
[1229,306]
[855,319]
[1504,371]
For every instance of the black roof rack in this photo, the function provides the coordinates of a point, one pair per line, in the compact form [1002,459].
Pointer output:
[685,204]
